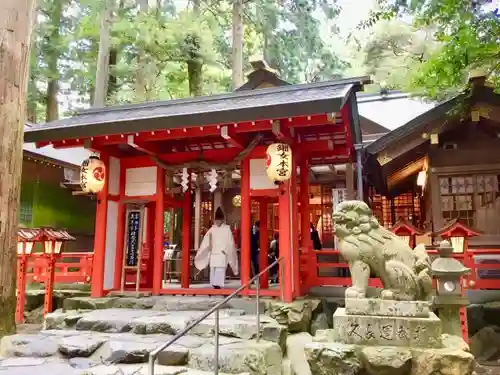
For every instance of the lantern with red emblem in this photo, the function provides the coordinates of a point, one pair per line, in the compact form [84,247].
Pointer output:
[279,162]
[92,175]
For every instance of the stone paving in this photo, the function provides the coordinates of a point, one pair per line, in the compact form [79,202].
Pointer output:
[106,341]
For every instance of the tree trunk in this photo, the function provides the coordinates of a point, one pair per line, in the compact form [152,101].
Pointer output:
[142,64]
[101,86]
[16,20]
[237,63]
[113,60]
[196,7]
[195,77]
[52,111]
[53,58]
[31,105]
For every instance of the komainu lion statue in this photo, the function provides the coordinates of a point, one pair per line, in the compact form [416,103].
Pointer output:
[368,247]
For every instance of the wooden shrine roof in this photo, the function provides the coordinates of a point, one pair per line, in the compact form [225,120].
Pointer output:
[432,119]
[259,104]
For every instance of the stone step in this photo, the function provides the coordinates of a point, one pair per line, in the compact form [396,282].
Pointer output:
[161,303]
[232,323]
[55,350]
[44,366]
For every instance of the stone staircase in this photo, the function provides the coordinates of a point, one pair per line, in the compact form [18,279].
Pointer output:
[113,336]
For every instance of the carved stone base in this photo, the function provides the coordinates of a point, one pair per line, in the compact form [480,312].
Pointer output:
[328,358]
[383,307]
[413,332]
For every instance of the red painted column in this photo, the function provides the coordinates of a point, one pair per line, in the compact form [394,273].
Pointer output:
[295,227]
[159,229]
[186,239]
[120,232]
[264,242]
[245,221]
[22,262]
[97,286]
[150,243]
[285,242]
[49,283]
[305,230]
[304,204]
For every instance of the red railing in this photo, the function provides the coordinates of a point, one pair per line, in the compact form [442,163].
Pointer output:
[326,267]
[70,268]
[322,267]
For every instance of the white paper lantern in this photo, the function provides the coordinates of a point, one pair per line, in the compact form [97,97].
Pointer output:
[92,175]
[279,162]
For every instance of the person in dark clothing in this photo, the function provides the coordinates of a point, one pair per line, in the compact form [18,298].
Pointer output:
[254,247]
[315,238]
[274,254]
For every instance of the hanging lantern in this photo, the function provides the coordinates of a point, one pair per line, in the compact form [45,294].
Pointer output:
[279,162]
[237,201]
[92,175]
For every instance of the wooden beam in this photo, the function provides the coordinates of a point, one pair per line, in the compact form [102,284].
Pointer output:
[230,136]
[283,133]
[227,156]
[204,131]
[145,147]
[386,156]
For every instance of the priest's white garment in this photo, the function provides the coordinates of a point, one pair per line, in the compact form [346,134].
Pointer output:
[217,250]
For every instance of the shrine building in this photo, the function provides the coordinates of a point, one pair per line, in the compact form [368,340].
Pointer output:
[162,168]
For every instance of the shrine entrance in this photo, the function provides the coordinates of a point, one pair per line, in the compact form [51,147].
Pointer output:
[166,156]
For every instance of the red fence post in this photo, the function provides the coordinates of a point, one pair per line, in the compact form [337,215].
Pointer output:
[22,262]
[49,284]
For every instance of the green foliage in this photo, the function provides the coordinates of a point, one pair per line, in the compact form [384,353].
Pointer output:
[391,50]
[468,33]
[162,42]
[286,33]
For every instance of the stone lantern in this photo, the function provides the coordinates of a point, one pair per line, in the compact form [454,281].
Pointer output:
[26,239]
[449,299]
[53,241]
[406,232]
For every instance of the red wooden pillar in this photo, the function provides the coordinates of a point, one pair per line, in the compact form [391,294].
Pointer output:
[97,286]
[120,232]
[245,221]
[186,238]
[158,230]
[148,253]
[294,212]
[22,262]
[264,242]
[49,283]
[286,252]
[305,226]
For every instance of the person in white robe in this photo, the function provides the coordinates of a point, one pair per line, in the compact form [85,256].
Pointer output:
[217,250]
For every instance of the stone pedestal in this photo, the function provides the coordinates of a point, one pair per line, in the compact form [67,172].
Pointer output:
[415,332]
[384,307]
[383,337]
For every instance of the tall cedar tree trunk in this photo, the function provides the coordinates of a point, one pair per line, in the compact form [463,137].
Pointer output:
[195,62]
[238,29]
[113,60]
[53,84]
[101,86]
[141,76]
[31,104]
[16,20]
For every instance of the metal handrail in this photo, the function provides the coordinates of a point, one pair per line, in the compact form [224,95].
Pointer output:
[154,353]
